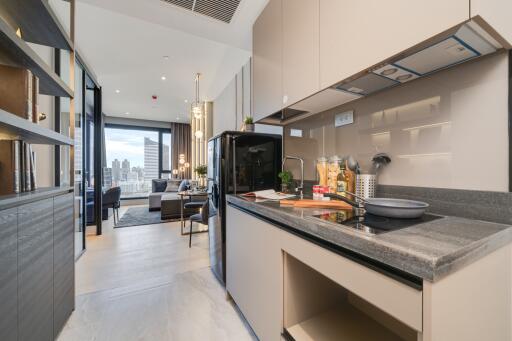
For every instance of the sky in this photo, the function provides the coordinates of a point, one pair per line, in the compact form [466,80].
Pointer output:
[127,144]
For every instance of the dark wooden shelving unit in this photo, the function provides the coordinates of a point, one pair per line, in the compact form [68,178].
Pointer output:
[37,21]
[38,226]
[16,128]
[17,52]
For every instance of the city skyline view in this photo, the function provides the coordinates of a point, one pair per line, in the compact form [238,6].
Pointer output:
[132,160]
[123,145]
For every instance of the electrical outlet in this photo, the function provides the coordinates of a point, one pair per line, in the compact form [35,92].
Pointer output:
[296,132]
[344,118]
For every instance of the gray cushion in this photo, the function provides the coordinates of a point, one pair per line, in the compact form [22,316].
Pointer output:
[184,185]
[173,185]
[158,185]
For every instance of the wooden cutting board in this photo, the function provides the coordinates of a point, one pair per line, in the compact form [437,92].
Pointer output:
[310,203]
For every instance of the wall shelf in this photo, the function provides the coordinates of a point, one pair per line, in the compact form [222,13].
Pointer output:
[341,323]
[15,51]
[14,127]
[37,21]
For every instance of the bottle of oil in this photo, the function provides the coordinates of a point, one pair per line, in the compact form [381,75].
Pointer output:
[342,184]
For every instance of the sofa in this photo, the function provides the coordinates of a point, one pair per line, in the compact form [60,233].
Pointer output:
[169,202]
[158,187]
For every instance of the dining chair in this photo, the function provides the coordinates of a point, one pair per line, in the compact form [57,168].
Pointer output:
[112,199]
[201,217]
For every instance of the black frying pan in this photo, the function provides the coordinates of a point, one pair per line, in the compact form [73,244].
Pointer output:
[386,207]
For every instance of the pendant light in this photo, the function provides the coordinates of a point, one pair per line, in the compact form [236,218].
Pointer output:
[197,106]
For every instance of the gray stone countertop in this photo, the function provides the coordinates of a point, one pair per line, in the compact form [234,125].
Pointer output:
[430,250]
[14,200]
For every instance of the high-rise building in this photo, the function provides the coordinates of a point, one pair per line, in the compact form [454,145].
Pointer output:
[116,170]
[139,171]
[107,177]
[125,169]
[150,159]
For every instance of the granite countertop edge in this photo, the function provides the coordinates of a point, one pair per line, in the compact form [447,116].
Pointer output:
[384,250]
[15,200]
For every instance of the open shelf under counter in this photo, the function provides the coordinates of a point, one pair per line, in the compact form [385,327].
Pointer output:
[37,21]
[14,200]
[13,127]
[16,52]
[341,323]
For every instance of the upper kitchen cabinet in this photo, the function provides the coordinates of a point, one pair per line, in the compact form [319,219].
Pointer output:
[496,13]
[301,38]
[267,61]
[355,35]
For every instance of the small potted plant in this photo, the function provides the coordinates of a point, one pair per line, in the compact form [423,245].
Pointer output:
[286,180]
[201,172]
[248,124]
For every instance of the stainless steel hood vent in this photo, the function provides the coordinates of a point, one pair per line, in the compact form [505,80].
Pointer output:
[367,84]
[462,43]
[469,41]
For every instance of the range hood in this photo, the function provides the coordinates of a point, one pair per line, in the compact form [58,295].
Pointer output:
[465,42]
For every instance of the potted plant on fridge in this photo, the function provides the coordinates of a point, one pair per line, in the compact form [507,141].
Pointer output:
[286,181]
[248,124]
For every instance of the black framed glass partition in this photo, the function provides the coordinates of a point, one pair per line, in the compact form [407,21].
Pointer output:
[135,156]
[85,106]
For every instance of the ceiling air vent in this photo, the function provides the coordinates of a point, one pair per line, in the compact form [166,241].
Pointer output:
[187,4]
[222,10]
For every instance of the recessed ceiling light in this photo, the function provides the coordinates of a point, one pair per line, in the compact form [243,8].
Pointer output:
[118,91]
[127,113]
[186,101]
[177,118]
[163,78]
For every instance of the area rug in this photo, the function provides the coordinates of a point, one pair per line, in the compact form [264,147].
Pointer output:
[135,216]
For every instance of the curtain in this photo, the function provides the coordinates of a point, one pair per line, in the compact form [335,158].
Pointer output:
[181,140]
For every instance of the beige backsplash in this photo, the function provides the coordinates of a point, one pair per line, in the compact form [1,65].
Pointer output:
[448,130]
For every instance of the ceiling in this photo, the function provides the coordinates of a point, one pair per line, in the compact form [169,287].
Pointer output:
[125,41]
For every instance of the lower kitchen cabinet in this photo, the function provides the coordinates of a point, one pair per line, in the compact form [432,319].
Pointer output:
[63,261]
[8,274]
[286,284]
[253,268]
[35,271]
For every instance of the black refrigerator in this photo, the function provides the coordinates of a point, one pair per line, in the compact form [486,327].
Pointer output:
[238,162]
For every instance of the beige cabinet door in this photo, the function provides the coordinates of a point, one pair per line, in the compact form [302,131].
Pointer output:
[254,272]
[355,35]
[300,49]
[267,48]
[497,14]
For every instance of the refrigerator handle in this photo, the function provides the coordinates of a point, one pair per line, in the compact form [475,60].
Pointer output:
[234,165]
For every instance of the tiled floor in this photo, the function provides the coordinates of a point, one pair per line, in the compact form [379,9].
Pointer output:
[144,283]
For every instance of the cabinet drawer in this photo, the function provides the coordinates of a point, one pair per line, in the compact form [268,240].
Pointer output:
[395,298]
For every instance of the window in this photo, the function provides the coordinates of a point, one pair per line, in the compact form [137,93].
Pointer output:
[133,158]
[166,152]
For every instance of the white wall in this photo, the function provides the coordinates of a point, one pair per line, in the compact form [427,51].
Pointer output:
[235,103]
[448,130]
[224,109]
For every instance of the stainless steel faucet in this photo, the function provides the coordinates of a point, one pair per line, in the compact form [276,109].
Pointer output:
[301,188]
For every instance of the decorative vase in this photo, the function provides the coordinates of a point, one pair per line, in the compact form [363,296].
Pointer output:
[285,187]
[249,127]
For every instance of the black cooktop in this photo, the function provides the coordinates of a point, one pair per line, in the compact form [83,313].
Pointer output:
[370,223]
